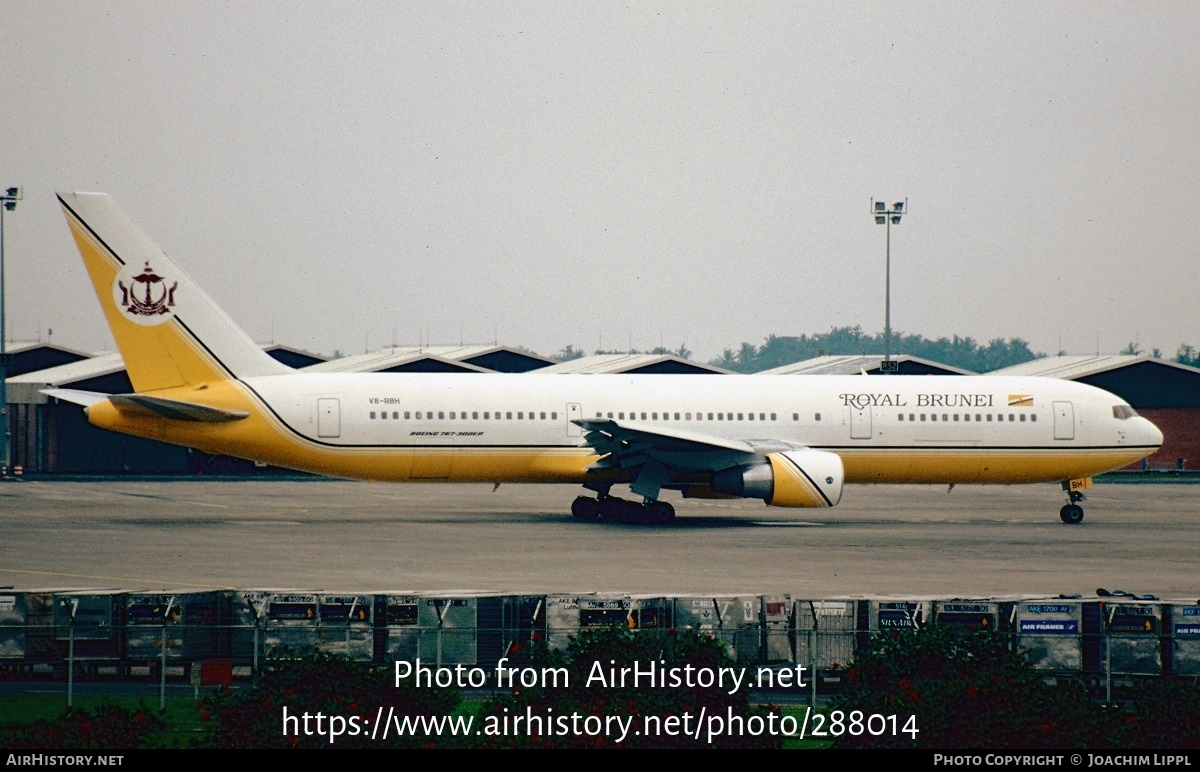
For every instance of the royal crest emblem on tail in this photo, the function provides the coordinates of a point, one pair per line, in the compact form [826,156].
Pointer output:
[145,297]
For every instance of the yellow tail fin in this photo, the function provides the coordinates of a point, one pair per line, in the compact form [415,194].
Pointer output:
[169,332]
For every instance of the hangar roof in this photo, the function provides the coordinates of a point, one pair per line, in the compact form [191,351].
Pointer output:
[1142,380]
[853,365]
[1080,366]
[291,356]
[26,388]
[28,356]
[394,360]
[633,363]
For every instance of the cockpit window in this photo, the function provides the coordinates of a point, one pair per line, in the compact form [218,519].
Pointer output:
[1123,411]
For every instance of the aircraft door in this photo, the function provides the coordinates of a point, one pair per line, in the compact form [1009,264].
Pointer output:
[860,423]
[329,417]
[574,410]
[1064,421]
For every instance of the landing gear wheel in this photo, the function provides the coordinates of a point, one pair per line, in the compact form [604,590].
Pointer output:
[659,513]
[610,508]
[584,508]
[1071,514]
[631,513]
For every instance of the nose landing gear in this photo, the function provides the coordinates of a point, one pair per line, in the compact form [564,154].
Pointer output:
[1072,513]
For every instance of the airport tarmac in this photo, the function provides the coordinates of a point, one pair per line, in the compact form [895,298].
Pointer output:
[356,536]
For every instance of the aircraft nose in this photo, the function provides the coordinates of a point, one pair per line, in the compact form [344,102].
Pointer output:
[1154,435]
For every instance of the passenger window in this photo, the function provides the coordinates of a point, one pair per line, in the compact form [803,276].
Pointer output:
[739,416]
[383,415]
[900,417]
[1033,417]
[508,415]
[772,416]
[441,415]
[554,416]
[677,416]
[710,416]
[913,417]
[720,416]
[372,413]
[933,416]
[922,416]
[956,416]
[1022,417]
[406,415]
[818,417]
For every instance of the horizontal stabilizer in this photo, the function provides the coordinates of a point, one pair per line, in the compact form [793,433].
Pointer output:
[76,396]
[144,404]
[174,409]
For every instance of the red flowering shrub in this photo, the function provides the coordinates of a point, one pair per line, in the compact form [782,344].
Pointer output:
[108,727]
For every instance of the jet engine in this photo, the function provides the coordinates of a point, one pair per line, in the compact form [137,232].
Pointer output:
[793,478]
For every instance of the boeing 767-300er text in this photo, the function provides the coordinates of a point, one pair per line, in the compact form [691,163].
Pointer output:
[199,381]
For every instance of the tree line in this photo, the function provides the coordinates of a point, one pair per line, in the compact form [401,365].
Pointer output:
[965,353]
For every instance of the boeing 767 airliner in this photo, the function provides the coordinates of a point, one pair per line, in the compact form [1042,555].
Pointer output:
[200,381]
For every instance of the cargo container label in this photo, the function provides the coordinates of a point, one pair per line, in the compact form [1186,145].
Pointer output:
[1050,626]
[967,608]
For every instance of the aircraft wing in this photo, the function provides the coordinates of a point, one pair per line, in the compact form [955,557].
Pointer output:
[629,444]
[655,457]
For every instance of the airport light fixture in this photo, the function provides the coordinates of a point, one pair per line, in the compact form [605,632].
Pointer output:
[888,217]
[9,200]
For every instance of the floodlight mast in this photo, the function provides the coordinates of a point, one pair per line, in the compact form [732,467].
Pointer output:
[888,217]
[8,202]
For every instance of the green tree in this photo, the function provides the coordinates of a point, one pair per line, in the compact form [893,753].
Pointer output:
[968,689]
[568,353]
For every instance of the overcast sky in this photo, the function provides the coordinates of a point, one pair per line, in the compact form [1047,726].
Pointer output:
[339,176]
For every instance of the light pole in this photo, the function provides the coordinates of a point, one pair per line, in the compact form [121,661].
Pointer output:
[888,217]
[9,201]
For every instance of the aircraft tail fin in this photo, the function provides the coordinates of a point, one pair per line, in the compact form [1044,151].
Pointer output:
[168,331]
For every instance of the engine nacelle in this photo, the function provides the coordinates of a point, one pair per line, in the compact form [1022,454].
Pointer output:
[794,478]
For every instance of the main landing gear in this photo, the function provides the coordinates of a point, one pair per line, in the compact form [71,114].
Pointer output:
[1072,513]
[619,510]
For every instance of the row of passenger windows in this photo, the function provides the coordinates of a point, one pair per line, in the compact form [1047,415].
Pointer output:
[456,415]
[979,417]
[633,416]
[542,415]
